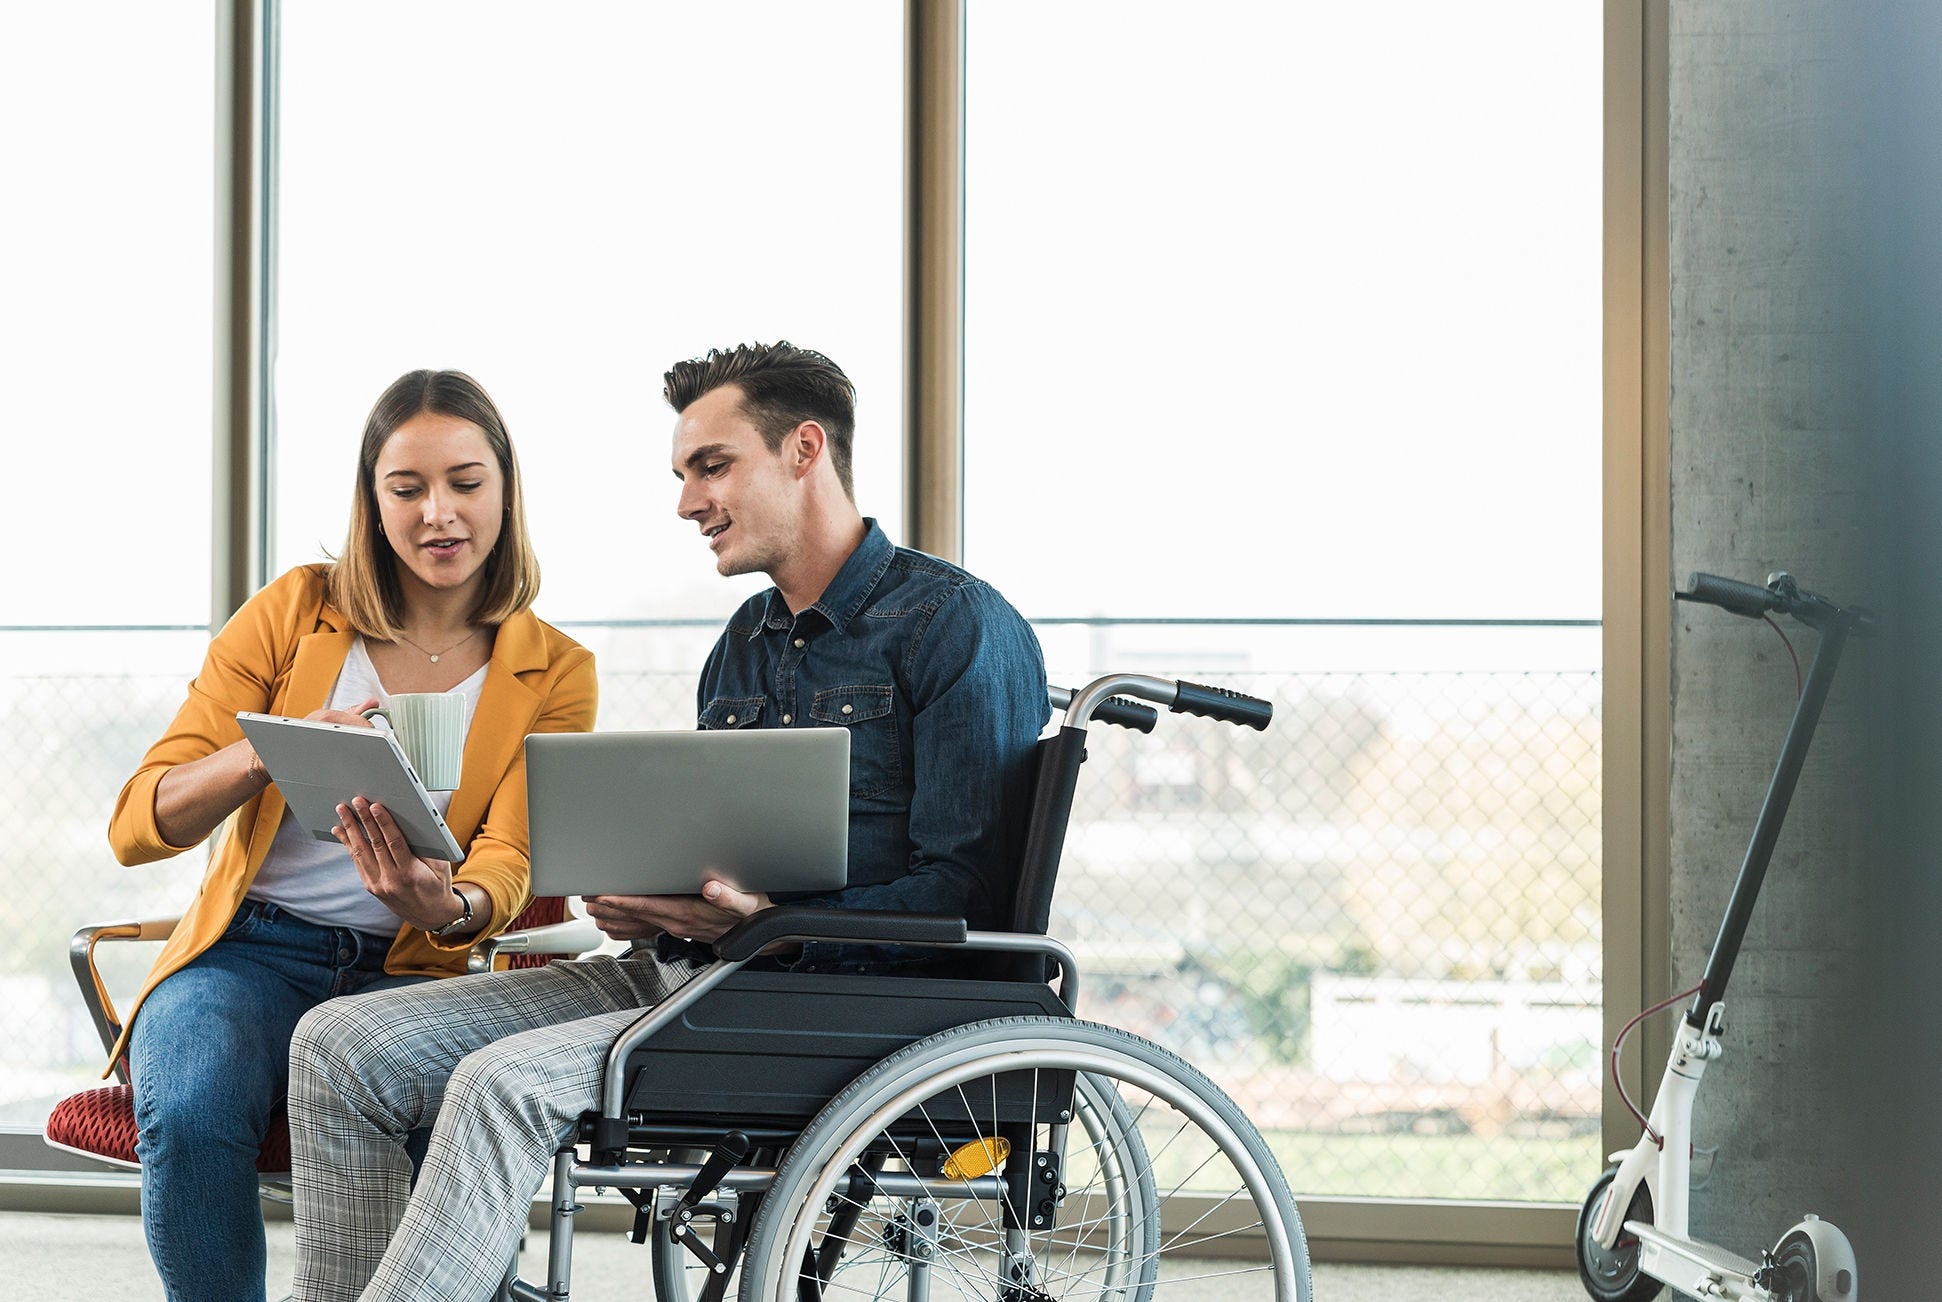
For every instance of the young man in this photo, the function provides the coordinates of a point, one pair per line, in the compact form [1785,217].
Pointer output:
[942,686]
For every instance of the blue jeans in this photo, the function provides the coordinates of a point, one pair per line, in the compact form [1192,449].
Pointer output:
[211,1060]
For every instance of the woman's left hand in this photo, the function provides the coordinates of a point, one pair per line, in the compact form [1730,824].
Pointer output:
[418,890]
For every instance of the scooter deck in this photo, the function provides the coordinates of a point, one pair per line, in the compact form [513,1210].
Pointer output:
[1694,1266]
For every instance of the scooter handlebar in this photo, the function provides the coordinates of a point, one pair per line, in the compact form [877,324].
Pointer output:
[1781,595]
[1730,594]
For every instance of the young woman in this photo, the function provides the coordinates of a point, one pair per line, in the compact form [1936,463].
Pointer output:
[431,594]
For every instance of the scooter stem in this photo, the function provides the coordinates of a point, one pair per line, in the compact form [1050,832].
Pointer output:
[1766,830]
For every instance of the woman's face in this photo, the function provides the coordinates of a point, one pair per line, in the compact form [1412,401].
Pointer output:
[441,500]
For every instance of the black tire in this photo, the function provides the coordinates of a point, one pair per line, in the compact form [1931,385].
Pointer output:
[1613,1275]
[1171,1170]
[1796,1270]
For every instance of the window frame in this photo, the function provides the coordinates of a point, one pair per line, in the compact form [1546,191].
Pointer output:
[1636,533]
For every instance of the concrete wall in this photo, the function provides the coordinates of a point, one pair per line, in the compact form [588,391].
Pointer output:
[1766,406]
[1803,167]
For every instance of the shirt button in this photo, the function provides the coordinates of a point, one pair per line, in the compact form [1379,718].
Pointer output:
[849,709]
[788,718]
[799,642]
[729,719]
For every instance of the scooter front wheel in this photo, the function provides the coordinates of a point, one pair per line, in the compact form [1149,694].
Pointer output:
[1612,1274]
[1797,1271]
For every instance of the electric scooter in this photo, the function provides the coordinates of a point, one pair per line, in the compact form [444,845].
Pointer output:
[1632,1237]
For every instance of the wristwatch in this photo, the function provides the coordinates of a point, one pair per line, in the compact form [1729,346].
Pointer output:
[459,923]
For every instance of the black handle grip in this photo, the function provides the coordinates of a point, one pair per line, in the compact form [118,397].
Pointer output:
[1730,594]
[1127,714]
[727,1154]
[756,932]
[1220,703]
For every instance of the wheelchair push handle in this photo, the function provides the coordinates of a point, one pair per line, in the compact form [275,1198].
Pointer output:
[1114,709]
[1218,703]
[1223,704]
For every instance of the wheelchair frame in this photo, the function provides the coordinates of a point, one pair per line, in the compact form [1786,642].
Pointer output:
[783,1142]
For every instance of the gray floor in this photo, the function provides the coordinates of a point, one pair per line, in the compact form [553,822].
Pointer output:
[76,1258]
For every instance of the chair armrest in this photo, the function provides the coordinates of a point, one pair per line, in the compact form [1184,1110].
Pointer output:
[758,931]
[94,992]
[574,936]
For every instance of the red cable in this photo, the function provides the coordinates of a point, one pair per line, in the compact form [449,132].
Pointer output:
[1790,652]
[1619,1044]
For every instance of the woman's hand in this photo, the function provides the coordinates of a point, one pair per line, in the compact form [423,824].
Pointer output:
[193,797]
[704,917]
[353,717]
[419,891]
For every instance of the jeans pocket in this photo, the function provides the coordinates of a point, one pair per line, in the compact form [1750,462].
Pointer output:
[244,922]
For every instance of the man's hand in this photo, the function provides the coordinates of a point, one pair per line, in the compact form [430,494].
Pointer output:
[705,917]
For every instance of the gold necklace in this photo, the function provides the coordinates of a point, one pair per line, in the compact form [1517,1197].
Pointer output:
[447,651]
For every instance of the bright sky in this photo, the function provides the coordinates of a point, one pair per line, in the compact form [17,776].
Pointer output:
[1274,310]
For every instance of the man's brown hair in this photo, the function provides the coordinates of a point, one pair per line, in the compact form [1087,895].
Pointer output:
[782,386]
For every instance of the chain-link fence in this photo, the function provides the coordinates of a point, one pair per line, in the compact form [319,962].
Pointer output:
[1375,924]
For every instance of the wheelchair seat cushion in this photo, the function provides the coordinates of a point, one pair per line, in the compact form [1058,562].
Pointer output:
[101,1123]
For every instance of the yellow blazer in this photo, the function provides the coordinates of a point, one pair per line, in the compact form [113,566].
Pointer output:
[280,654]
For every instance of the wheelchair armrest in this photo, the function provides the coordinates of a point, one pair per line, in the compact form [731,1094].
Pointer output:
[758,931]
[574,936]
[94,992]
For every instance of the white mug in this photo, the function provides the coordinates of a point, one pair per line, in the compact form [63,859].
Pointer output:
[430,726]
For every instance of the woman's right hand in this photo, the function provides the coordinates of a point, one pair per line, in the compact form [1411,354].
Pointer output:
[353,717]
[192,798]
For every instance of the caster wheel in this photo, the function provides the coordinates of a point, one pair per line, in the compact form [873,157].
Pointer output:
[1612,1274]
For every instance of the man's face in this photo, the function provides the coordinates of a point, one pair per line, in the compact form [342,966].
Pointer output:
[745,498]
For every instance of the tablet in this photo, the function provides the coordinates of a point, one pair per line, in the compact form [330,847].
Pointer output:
[659,813]
[318,766]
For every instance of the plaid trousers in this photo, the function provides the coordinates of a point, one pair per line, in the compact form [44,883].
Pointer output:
[501,1064]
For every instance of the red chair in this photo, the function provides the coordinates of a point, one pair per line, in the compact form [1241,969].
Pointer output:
[100,1123]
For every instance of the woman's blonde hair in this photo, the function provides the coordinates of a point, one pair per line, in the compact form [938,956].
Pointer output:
[363,580]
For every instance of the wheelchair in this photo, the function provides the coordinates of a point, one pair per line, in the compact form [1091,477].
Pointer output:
[831,1136]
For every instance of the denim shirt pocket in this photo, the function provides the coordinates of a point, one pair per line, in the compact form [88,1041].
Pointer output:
[870,713]
[732,712]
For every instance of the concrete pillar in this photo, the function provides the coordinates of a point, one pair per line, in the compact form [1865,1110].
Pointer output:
[1806,426]
[1768,413]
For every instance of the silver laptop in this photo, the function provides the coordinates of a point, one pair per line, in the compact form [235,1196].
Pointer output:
[658,813]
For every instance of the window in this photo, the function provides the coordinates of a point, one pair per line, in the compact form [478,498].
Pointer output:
[1280,320]
[107,332]
[563,208]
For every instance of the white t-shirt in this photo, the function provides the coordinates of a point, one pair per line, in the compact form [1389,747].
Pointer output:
[316,880]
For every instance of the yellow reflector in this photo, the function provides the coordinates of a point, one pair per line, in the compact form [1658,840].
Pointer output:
[979,1157]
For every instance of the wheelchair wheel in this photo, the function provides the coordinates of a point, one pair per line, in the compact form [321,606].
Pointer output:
[1167,1180]
[1112,1146]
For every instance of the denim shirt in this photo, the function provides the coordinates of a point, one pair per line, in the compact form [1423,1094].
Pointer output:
[942,686]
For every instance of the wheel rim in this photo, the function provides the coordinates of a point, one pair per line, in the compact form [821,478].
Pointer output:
[976,1261]
[1613,1274]
[1794,1270]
